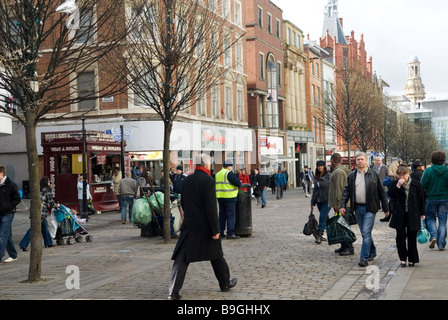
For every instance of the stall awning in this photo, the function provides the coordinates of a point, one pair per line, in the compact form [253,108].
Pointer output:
[277,158]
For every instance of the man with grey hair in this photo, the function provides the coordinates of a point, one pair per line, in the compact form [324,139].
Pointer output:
[199,238]
[365,190]
[128,191]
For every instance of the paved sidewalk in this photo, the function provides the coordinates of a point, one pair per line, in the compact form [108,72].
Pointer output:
[277,262]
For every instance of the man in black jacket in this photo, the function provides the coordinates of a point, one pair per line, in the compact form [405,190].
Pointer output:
[9,199]
[199,238]
[263,180]
[365,190]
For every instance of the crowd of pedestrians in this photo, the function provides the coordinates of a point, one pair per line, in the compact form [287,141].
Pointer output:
[410,197]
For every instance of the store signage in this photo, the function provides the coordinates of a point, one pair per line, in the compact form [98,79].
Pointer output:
[271,145]
[213,138]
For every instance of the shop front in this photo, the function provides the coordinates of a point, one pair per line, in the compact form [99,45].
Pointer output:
[63,153]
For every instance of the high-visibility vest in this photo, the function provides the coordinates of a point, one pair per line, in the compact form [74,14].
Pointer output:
[224,189]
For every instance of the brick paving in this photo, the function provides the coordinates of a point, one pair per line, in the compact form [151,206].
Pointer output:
[277,262]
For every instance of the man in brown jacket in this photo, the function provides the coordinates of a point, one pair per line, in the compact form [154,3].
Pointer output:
[338,180]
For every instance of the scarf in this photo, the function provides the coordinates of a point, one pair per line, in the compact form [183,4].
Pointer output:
[203,169]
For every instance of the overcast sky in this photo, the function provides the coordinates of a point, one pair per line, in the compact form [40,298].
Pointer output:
[393,31]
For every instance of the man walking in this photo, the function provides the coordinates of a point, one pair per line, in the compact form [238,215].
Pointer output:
[435,183]
[9,199]
[128,192]
[227,185]
[338,180]
[199,238]
[263,183]
[307,180]
[365,190]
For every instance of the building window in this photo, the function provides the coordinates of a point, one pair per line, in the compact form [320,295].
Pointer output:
[86,89]
[260,17]
[86,27]
[239,56]
[228,51]
[272,101]
[261,66]
[278,29]
[239,105]
[228,102]
[269,23]
[226,9]
[279,73]
[215,101]
[237,13]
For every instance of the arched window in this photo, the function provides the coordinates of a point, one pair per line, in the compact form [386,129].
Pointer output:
[272,100]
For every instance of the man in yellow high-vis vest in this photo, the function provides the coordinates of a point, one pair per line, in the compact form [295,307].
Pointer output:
[227,185]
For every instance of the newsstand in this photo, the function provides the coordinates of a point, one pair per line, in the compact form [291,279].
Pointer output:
[243,219]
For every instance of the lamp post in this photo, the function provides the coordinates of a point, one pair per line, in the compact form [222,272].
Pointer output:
[122,147]
[84,212]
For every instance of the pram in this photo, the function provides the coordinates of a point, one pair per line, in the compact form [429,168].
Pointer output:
[70,227]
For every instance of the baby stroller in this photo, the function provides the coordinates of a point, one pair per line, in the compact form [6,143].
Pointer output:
[70,228]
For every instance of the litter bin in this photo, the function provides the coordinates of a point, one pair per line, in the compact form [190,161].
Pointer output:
[26,189]
[243,221]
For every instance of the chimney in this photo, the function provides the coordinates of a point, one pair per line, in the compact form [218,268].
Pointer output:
[341,22]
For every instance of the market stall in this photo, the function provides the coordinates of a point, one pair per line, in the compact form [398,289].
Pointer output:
[63,165]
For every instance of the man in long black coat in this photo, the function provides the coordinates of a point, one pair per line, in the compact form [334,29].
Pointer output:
[199,238]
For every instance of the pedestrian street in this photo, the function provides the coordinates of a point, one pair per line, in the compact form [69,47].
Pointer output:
[277,262]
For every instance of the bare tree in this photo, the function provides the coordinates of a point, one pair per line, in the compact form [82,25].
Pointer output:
[344,109]
[41,59]
[388,130]
[177,51]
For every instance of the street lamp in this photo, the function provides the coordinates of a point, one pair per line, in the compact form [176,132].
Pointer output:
[122,147]
[84,212]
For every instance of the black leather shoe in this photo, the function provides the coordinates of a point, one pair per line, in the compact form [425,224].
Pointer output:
[347,252]
[174,296]
[232,283]
[339,250]
[363,263]
[372,256]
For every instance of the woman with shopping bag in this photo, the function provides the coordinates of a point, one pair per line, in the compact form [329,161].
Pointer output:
[409,210]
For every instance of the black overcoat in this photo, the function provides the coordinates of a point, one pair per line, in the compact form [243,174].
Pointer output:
[416,205]
[200,224]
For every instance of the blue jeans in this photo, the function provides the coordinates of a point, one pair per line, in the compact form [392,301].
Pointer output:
[45,234]
[437,210]
[125,200]
[227,216]
[263,196]
[324,209]
[6,242]
[366,220]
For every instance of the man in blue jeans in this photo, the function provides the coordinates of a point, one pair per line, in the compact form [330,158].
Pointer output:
[365,190]
[435,184]
[128,192]
[9,199]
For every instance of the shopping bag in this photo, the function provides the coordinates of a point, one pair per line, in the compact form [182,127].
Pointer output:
[423,234]
[338,230]
[311,226]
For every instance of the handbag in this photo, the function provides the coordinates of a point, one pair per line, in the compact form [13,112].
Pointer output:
[338,230]
[311,226]
[423,234]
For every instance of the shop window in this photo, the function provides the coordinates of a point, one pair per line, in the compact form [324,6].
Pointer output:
[65,164]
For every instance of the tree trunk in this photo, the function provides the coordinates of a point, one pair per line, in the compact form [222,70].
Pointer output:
[35,267]
[166,178]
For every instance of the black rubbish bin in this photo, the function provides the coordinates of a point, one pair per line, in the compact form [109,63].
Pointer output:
[243,221]
[25,189]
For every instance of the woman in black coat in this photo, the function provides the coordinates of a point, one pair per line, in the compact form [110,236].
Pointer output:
[199,238]
[409,209]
